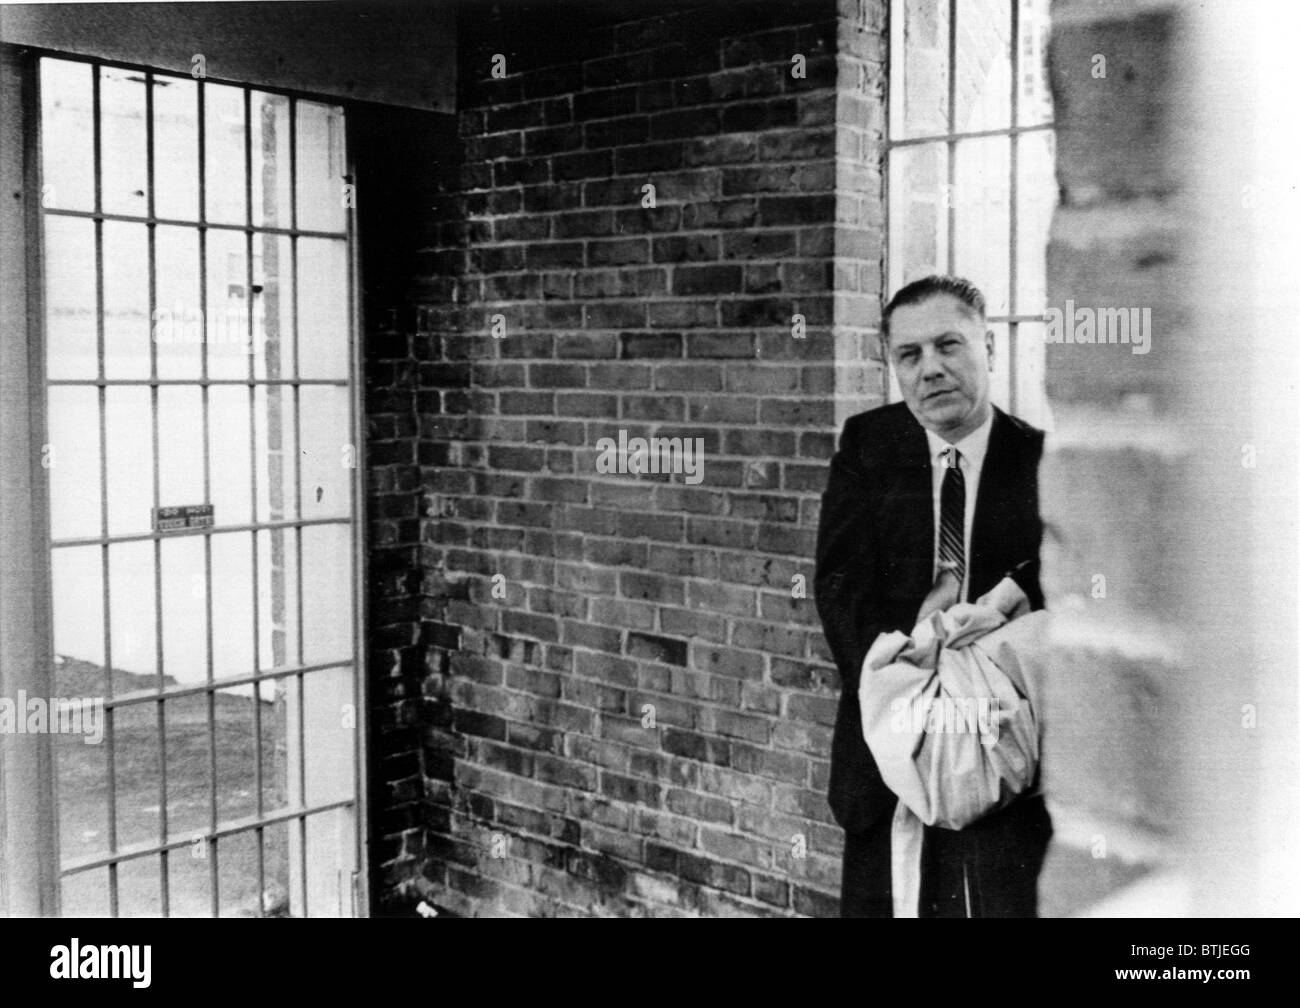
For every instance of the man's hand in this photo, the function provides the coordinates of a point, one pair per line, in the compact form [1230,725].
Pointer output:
[945,593]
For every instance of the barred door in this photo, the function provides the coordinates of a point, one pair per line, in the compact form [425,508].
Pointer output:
[199,377]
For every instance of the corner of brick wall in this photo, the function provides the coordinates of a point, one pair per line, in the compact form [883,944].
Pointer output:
[406,163]
[1112,480]
[1172,473]
[549,789]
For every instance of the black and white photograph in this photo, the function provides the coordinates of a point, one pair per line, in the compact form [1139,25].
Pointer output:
[651,458]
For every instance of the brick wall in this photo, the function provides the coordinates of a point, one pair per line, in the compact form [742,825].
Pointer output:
[638,719]
[403,168]
[515,767]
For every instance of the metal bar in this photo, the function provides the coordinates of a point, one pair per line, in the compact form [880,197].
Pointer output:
[1015,62]
[39,806]
[159,657]
[230,828]
[951,236]
[101,405]
[944,137]
[252,502]
[297,484]
[1015,318]
[205,426]
[137,697]
[895,117]
[70,57]
[1013,368]
[213,225]
[293,265]
[896,83]
[359,614]
[193,382]
[1013,252]
[190,533]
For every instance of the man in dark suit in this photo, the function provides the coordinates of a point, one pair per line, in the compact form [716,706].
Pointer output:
[936,494]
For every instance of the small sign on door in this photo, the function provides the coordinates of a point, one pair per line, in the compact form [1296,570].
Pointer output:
[186,516]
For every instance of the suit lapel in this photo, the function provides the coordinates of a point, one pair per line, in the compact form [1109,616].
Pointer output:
[909,511]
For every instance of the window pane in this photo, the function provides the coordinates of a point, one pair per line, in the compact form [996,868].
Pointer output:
[67,126]
[176,147]
[180,446]
[277,493]
[236,756]
[272,306]
[327,453]
[123,141]
[232,604]
[184,612]
[275,858]
[918,212]
[1000,379]
[329,719]
[128,429]
[189,882]
[982,199]
[1035,95]
[921,77]
[237,880]
[227,318]
[178,316]
[83,894]
[983,65]
[133,621]
[126,300]
[71,340]
[77,581]
[323,344]
[1035,201]
[138,882]
[226,174]
[137,769]
[320,168]
[271,160]
[326,593]
[73,457]
[230,481]
[330,861]
[1031,384]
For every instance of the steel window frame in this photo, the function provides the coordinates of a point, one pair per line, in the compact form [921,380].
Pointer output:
[28,830]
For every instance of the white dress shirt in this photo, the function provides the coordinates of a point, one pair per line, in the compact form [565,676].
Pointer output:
[972,449]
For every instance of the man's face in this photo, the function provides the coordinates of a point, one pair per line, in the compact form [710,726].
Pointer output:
[942,356]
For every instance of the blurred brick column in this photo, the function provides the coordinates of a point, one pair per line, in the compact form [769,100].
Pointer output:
[1156,515]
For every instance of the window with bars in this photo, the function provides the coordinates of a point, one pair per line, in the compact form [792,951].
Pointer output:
[970,170]
[197,306]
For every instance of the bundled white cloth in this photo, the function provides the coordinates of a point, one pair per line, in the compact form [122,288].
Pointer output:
[949,715]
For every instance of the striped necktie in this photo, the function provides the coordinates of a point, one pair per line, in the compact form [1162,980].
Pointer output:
[952,516]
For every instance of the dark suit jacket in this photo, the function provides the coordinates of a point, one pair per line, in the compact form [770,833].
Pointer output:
[875,565]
